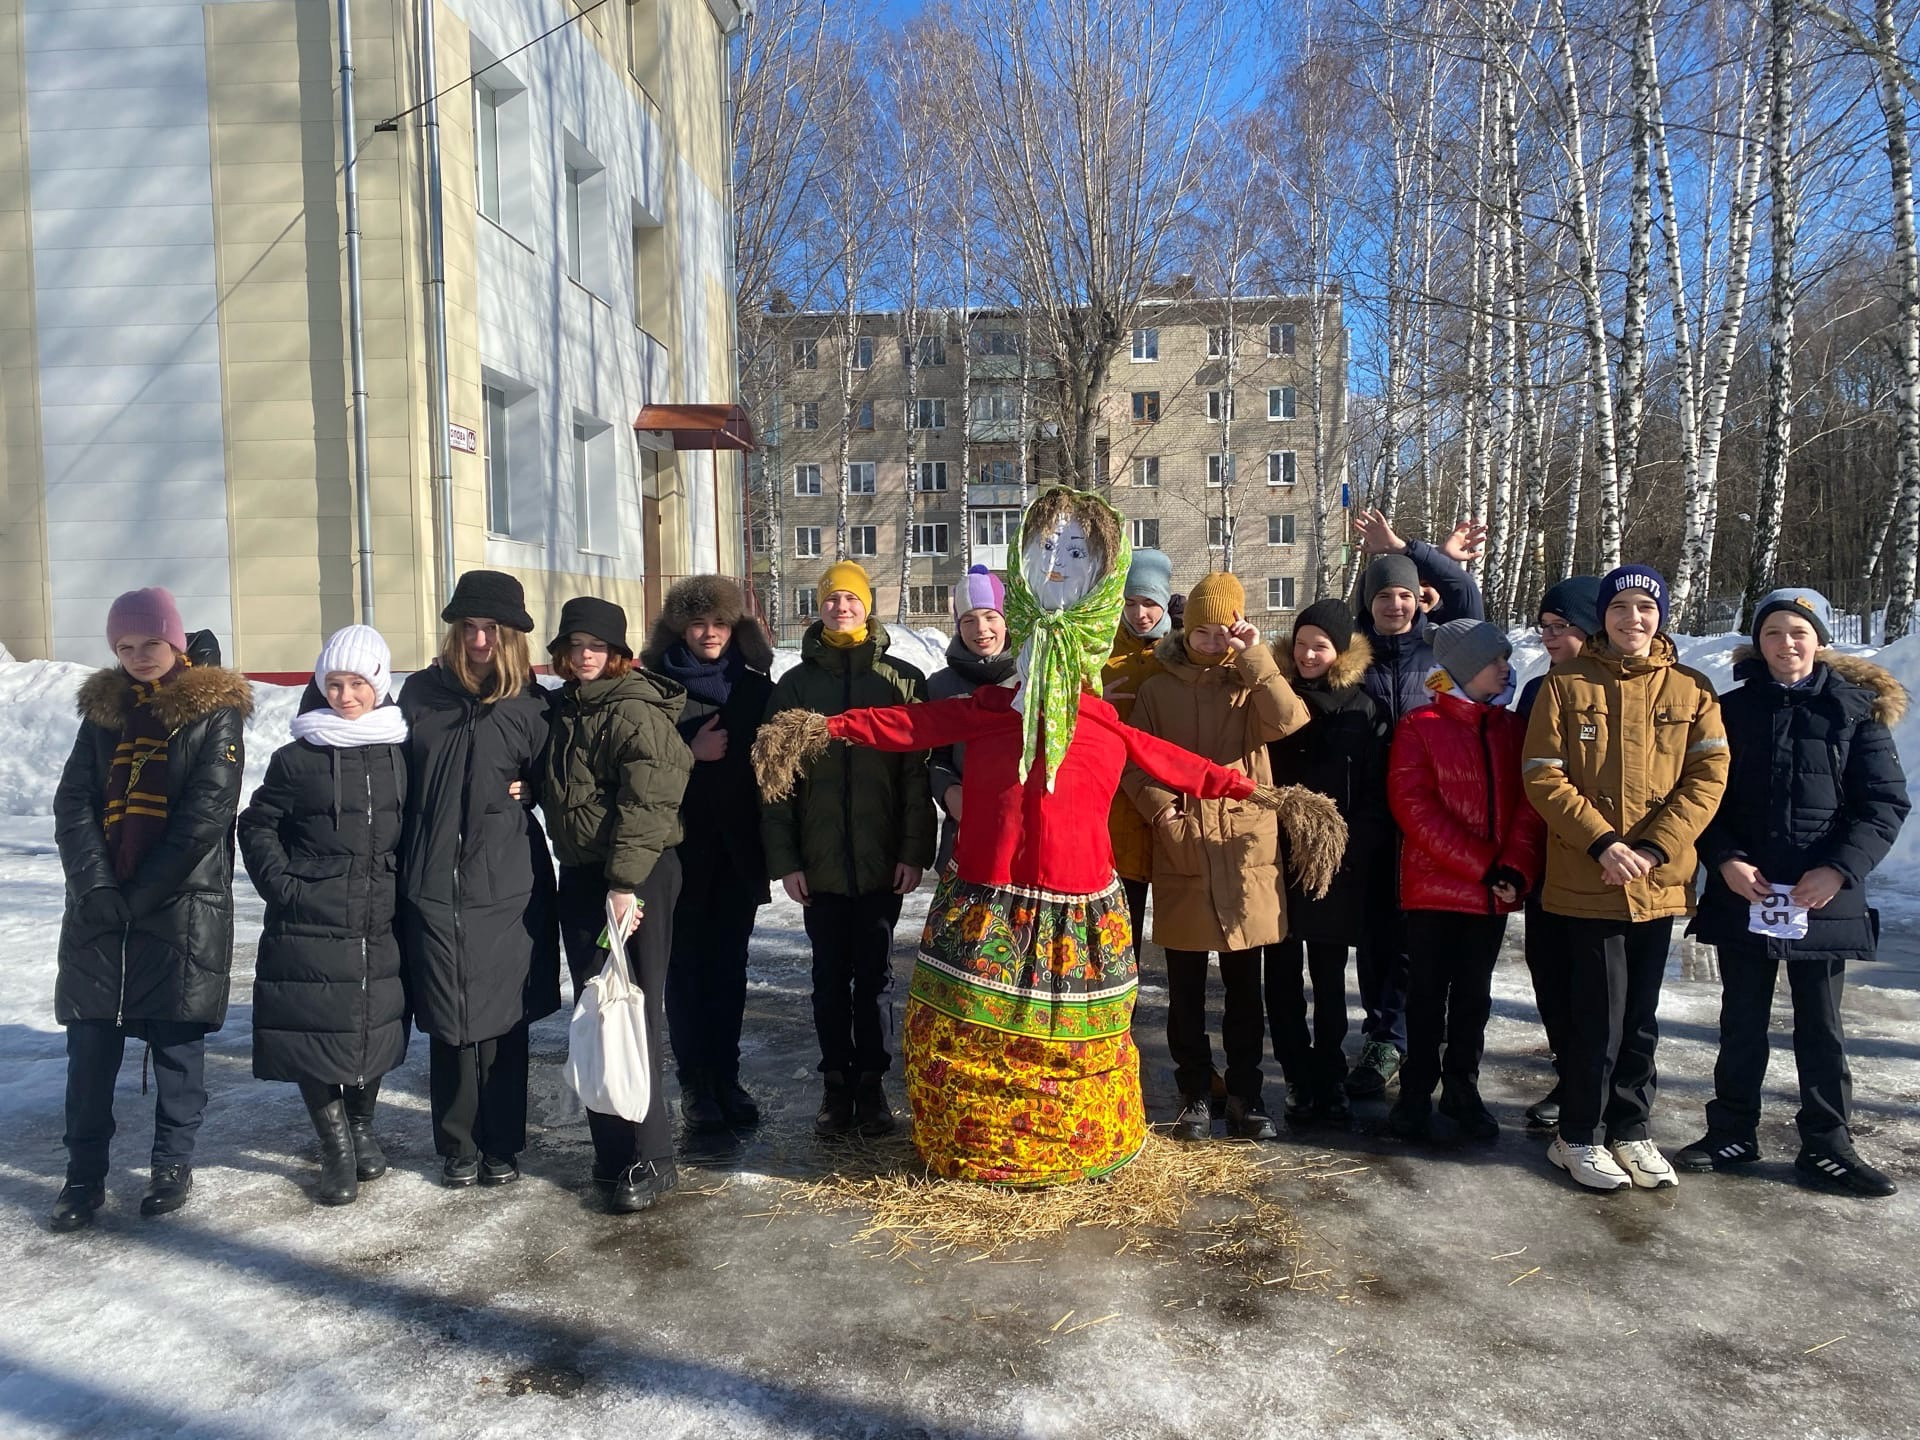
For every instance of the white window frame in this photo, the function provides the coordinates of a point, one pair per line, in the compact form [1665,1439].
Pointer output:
[1283,467]
[806,542]
[515,479]
[996,517]
[999,472]
[1221,471]
[1219,406]
[1283,403]
[1281,593]
[1146,472]
[930,413]
[502,152]
[1146,344]
[934,531]
[859,536]
[930,477]
[996,402]
[1145,532]
[1280,530]
[807,480]
[806,414]
[1280,339]
[999,342]
[586,231]
[596,487]
[1217,526]
[863,477]
[1220,342]
[806,602]
[806,352]
[933,351]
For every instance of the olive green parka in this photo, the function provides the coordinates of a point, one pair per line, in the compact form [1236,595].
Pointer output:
[615,771]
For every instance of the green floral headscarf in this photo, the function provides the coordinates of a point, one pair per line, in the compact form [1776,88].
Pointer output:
[1064,649]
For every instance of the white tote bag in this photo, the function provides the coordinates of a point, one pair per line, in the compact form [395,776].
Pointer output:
[608,1064]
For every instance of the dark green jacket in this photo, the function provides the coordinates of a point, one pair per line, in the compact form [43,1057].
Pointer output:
[856,813]
[616,770]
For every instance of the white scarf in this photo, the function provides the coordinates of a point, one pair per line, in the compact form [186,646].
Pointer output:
[384,725]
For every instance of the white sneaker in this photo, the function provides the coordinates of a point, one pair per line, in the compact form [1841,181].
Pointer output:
[1590,1165]
[1642,1161]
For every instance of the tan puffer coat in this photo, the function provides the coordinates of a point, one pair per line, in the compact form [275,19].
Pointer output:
[1624,749]
[1215,866]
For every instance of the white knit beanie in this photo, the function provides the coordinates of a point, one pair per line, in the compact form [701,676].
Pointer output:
[356,650]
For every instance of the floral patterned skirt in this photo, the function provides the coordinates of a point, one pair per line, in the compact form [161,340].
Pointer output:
[1020,1062]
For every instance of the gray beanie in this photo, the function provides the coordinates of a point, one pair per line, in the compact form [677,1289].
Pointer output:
[1466,647]
[1810,605]
[1384,572]
[1150,577]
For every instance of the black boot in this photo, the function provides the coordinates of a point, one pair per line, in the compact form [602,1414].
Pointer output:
[836,1107]
[369,1160]
[872,1111]
[1195,1120]
[742,1110]
[339,1185]
[1300,1104]
[700,1104]
[1460,1102]
[74,1208]
[1248,1119]
[1544,1113]
[641,1185]
[167,1191]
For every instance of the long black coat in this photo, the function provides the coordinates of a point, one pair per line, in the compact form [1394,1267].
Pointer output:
[174,961]
[321,841]
[1341,753]
[477,930]
[1814,780]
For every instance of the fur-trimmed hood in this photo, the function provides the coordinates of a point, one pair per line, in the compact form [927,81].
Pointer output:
[1346,672]
[714,595]
[107,696]
[1887,697]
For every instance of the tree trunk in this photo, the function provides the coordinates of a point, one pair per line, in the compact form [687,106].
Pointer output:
[1771,503]
[1906,509]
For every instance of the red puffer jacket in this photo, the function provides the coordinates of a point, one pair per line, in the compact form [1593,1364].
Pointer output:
[1454,784]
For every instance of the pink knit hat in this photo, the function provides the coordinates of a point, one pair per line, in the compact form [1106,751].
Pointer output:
[979,589]
[146,612]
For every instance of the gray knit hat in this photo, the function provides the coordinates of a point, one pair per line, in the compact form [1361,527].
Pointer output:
[1810,605]
[1466,647]
[1384,572]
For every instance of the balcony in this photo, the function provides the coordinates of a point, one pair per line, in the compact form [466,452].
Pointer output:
[996,497]
[993,431]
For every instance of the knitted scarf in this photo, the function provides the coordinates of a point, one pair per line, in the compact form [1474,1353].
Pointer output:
[1063,651]
[708,680]
[326,727]
[136,811]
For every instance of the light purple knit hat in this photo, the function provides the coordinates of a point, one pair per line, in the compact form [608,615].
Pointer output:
[979,589]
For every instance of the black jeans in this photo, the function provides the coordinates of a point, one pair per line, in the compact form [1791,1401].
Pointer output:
[852,939]
[94,1051]
[582,902]
[1380,961]
[1242,1023]
[1547,964]
[1137,912]
[1607,1075]
[707,974]
[479,1096]
[1315,1060]
[1449,996]
[1747,978]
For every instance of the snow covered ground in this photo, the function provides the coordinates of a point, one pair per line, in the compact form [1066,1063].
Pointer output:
[1448,1292]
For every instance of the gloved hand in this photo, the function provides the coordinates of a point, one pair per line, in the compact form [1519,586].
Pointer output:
[105,907]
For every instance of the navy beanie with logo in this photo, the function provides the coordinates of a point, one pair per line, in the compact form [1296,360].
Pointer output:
[1616,583]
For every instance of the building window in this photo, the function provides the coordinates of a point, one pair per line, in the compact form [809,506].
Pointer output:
[1280,592]
[863,540]
[806,416]
[930,415]
[998,342]
[933,349]
[806,602]
[929,540]
[1146,406]
[931,475]
[806,542]
[929,599]
[502,179]
[806,353]
[499,482]
[515,484]
[1283,467]
[1000,472]
[1280,339]
[1146,346]
[1217,532]
[649,273]
[995,527]
[996,402]
[1146,472]
[1219,405]
[1146,534]
[1280,529]
[1281,403]
[863,415]
[1220,343]
[862,352]
[861,476]
[759,537]
[486,148]
[596,496]
[806,479]
[1220,471]
[586,221]
[643,43]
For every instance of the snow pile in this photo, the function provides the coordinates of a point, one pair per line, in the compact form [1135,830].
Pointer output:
[926,650]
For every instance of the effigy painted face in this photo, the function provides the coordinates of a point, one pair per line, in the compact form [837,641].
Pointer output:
[1059,566]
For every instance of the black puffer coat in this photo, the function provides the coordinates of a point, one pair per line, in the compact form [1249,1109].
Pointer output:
[964,673]
[1814,780]
[1341,753]
[321,841]
[173,962]
[478,934]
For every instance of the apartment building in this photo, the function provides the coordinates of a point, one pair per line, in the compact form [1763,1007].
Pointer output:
[1205,445]
[175,388]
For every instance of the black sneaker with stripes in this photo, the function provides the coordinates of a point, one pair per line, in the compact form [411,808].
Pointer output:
[1839,1166]
[1717,1152]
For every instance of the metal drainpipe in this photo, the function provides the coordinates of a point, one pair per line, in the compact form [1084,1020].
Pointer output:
[437,407]
[734,27]
[356,330]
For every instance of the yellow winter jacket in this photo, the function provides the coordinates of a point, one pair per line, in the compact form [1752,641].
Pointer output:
[1624,749]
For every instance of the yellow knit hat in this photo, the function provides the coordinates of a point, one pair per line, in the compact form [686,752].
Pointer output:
[848,576]
[1217,600]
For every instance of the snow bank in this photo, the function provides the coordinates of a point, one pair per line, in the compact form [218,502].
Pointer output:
[925,649]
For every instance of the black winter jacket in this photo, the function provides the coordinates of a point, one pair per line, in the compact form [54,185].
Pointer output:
[616,771]
[1341,753]
[1397,678]
[321,841]
[1813,780]
[173,962]
[478,936]
[964,673]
